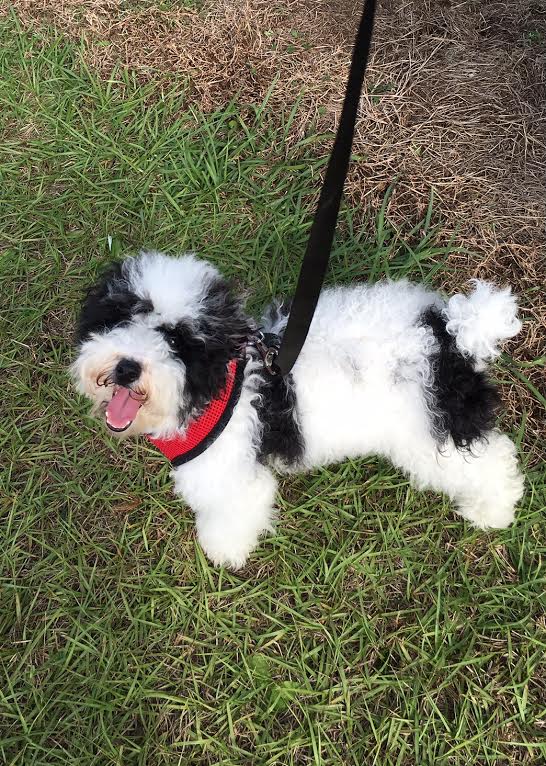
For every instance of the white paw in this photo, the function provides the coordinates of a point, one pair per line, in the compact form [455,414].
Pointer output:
[227,547]
[487,515]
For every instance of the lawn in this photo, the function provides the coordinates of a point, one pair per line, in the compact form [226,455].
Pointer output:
[375,627]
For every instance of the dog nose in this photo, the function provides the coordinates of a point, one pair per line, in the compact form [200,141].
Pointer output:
[126,372]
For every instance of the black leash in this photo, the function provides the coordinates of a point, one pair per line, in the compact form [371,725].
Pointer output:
[315,262]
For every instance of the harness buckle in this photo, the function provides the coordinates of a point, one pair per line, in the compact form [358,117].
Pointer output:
[267,346]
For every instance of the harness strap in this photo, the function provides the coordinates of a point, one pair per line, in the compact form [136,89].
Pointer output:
[317,255]
[205,429]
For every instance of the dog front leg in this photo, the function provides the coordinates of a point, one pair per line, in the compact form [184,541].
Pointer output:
[233,505]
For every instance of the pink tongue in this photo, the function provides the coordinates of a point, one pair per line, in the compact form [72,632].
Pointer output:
[121,409]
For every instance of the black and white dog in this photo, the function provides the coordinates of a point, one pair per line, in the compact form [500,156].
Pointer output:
[390,368]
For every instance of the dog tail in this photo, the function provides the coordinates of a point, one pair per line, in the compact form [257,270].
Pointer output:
[479,322]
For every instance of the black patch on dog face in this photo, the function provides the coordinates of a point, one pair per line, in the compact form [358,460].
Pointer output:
[109,303]
[281,435]
[464,403]
[207,344]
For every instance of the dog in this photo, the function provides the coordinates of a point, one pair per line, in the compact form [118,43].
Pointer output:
[391,368]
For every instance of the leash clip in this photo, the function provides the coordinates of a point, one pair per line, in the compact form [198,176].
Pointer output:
[268,350]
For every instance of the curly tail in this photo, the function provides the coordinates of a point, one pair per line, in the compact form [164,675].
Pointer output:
[480,321]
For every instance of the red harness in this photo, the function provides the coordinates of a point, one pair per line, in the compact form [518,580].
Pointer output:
[203,431]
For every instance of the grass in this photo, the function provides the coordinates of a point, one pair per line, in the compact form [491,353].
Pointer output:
[374,628]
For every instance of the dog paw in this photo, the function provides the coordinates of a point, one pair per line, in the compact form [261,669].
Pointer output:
[487,515]
[233,560]
[227,548]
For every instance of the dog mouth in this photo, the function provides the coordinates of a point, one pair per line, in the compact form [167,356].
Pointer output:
[122,408]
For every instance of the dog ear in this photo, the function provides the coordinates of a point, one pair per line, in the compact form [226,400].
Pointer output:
[207,344]
[223,318]
[108,303]
[205,358]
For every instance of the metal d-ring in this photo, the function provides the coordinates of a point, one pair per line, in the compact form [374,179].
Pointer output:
[267,352]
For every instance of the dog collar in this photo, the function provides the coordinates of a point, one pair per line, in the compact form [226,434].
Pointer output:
[205,429]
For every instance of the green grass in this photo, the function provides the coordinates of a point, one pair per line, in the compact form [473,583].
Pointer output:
[374,628]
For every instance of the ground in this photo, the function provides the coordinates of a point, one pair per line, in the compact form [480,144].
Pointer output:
[375,627]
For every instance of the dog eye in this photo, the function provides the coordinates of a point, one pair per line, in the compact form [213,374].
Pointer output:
[172,338]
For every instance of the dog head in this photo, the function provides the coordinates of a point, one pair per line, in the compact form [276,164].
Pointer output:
[155,337]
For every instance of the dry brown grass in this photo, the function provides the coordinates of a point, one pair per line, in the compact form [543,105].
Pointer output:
[455,101]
